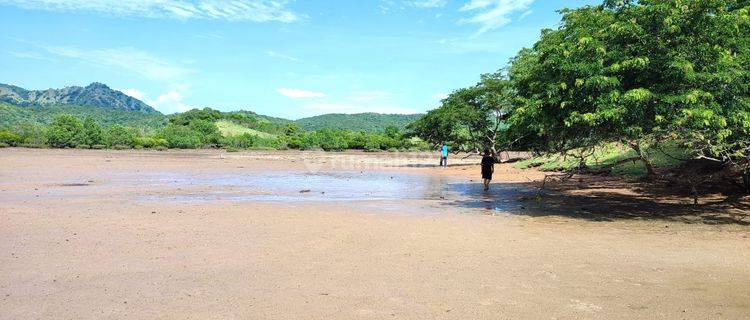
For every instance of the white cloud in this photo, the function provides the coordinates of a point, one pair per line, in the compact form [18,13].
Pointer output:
[127,58]
[231,10]
[167,103]
[525,14]
[492,14]
[300,94]
[274,54]
[135,93]
[426,3]
[28,55]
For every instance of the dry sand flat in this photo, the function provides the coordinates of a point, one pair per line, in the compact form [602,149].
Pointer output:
[99,234]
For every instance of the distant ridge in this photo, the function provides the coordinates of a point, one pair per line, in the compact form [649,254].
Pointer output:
[108,106]
[370,122]
[95,94]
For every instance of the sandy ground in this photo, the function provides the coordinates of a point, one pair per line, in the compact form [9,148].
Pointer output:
[113,235]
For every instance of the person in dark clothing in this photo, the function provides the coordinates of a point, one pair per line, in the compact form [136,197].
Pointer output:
[488,168]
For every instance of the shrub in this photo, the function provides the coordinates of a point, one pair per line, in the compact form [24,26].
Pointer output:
[9,138]
[92,132]
[31,133]
[331,140]
[309,141]
[121,137]
[181,137]
[243,141]
[293,142]
[270,143]
[65,131]
[372,143]
[356,140]
[416,144]
[151,142]
[3,145]
[186,118]
[209,132]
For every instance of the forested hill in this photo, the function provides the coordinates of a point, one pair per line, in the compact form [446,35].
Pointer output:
[111,107]
[95,95]
[369,122]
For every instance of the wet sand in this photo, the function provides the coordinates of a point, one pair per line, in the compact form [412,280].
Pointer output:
[289,235]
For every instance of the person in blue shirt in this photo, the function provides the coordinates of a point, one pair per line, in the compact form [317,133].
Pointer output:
[444,156]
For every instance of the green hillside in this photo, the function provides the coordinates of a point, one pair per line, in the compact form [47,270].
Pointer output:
[232,129]
[368,122]
[11,115]
[261,118]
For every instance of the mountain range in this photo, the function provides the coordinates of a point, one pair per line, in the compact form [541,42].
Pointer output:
[110,106]
[95,95]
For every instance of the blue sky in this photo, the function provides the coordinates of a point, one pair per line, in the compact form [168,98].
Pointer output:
[282,58]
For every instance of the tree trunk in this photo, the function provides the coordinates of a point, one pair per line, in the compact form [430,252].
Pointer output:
[642,156]
[695,193]
[746,179]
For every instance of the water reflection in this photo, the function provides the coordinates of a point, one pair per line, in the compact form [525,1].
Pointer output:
[292,186]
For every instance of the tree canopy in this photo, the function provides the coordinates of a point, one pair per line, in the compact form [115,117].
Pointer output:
[636,72]
[469,119]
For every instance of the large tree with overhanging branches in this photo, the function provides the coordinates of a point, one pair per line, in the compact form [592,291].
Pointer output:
[640,72]
[636,72]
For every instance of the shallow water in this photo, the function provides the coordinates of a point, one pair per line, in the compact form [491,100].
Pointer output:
[390,191]
[341,187]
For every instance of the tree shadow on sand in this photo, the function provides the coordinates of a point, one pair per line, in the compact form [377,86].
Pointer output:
[595,202]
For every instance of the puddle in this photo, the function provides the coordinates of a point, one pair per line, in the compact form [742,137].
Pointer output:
[389,191]
[291,187]
[385,190]
[507,198]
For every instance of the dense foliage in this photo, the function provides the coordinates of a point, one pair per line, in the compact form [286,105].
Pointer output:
[469,119]
[12,115]
[368,122]
[640,73]
[198,129]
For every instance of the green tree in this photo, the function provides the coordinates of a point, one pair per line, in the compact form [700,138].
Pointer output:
[243,141]
[470,119]
[393,132]
[291,129]
[332,140]
[9,138]
[182,137]
[205,114]
[640,72]
[31,133]
[65,131]
[119,136]
[208,131]
[92,132]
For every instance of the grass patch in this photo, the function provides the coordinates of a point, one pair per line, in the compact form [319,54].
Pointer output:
[232,129]
[666,156]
